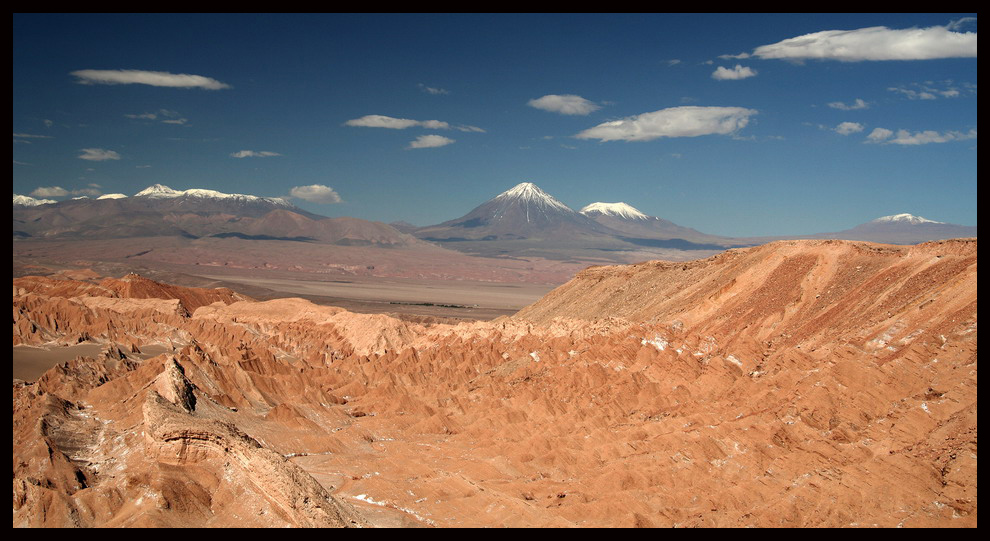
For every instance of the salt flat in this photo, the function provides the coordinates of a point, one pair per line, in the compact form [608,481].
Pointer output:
[442,298]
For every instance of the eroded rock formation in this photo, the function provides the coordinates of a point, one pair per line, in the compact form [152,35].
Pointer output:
[801,383]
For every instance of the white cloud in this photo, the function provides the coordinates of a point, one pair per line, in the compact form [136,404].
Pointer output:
[740,56]
[433,90]
[848,128]
[565,104]
[31,136]
[58,191]
[392,123]
[98,154]
[382,121]
[906,137]
[875,43]
[684,121]
[152,78]
[430,141]
[878,135]
[858,104]
[316,193]
[434,125]
[50,191]
[738,72]
[253,154]
[143,116]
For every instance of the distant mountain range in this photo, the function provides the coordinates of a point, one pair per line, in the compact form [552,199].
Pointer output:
[161,211]
[902,229]
[524,221]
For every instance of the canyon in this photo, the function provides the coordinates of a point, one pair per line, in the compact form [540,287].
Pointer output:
[799,383]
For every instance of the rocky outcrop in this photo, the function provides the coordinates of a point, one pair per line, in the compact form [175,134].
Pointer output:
[244,476]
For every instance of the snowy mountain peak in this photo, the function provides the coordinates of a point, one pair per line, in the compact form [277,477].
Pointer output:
[160,191]
[112,196]
[531,193]
[904,219]
[30,201]
[619,210]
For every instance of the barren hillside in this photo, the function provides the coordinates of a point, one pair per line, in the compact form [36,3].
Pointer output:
[800,383]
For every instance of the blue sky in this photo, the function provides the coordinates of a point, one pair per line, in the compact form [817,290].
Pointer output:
[752,124]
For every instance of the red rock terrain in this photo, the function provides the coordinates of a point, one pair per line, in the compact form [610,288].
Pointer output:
[800,383]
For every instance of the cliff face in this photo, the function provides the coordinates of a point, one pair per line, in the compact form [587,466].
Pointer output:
[802,383]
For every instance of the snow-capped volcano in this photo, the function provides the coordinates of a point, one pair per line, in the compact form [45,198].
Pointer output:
[522,213]
[902,229]
[531,194]
[904,219]
[619,210]
[644,230]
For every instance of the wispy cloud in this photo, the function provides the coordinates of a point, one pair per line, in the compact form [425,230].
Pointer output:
[736,73]
[430,141]
[930,91]
[875,43]
[433,90]
[849,128]
[959,23]
[316,193]
[98,154]
[392,123]
[565,104]
[858,104]
[254,154]
[152,78]
[167,117]
[906,137]
[684,121]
